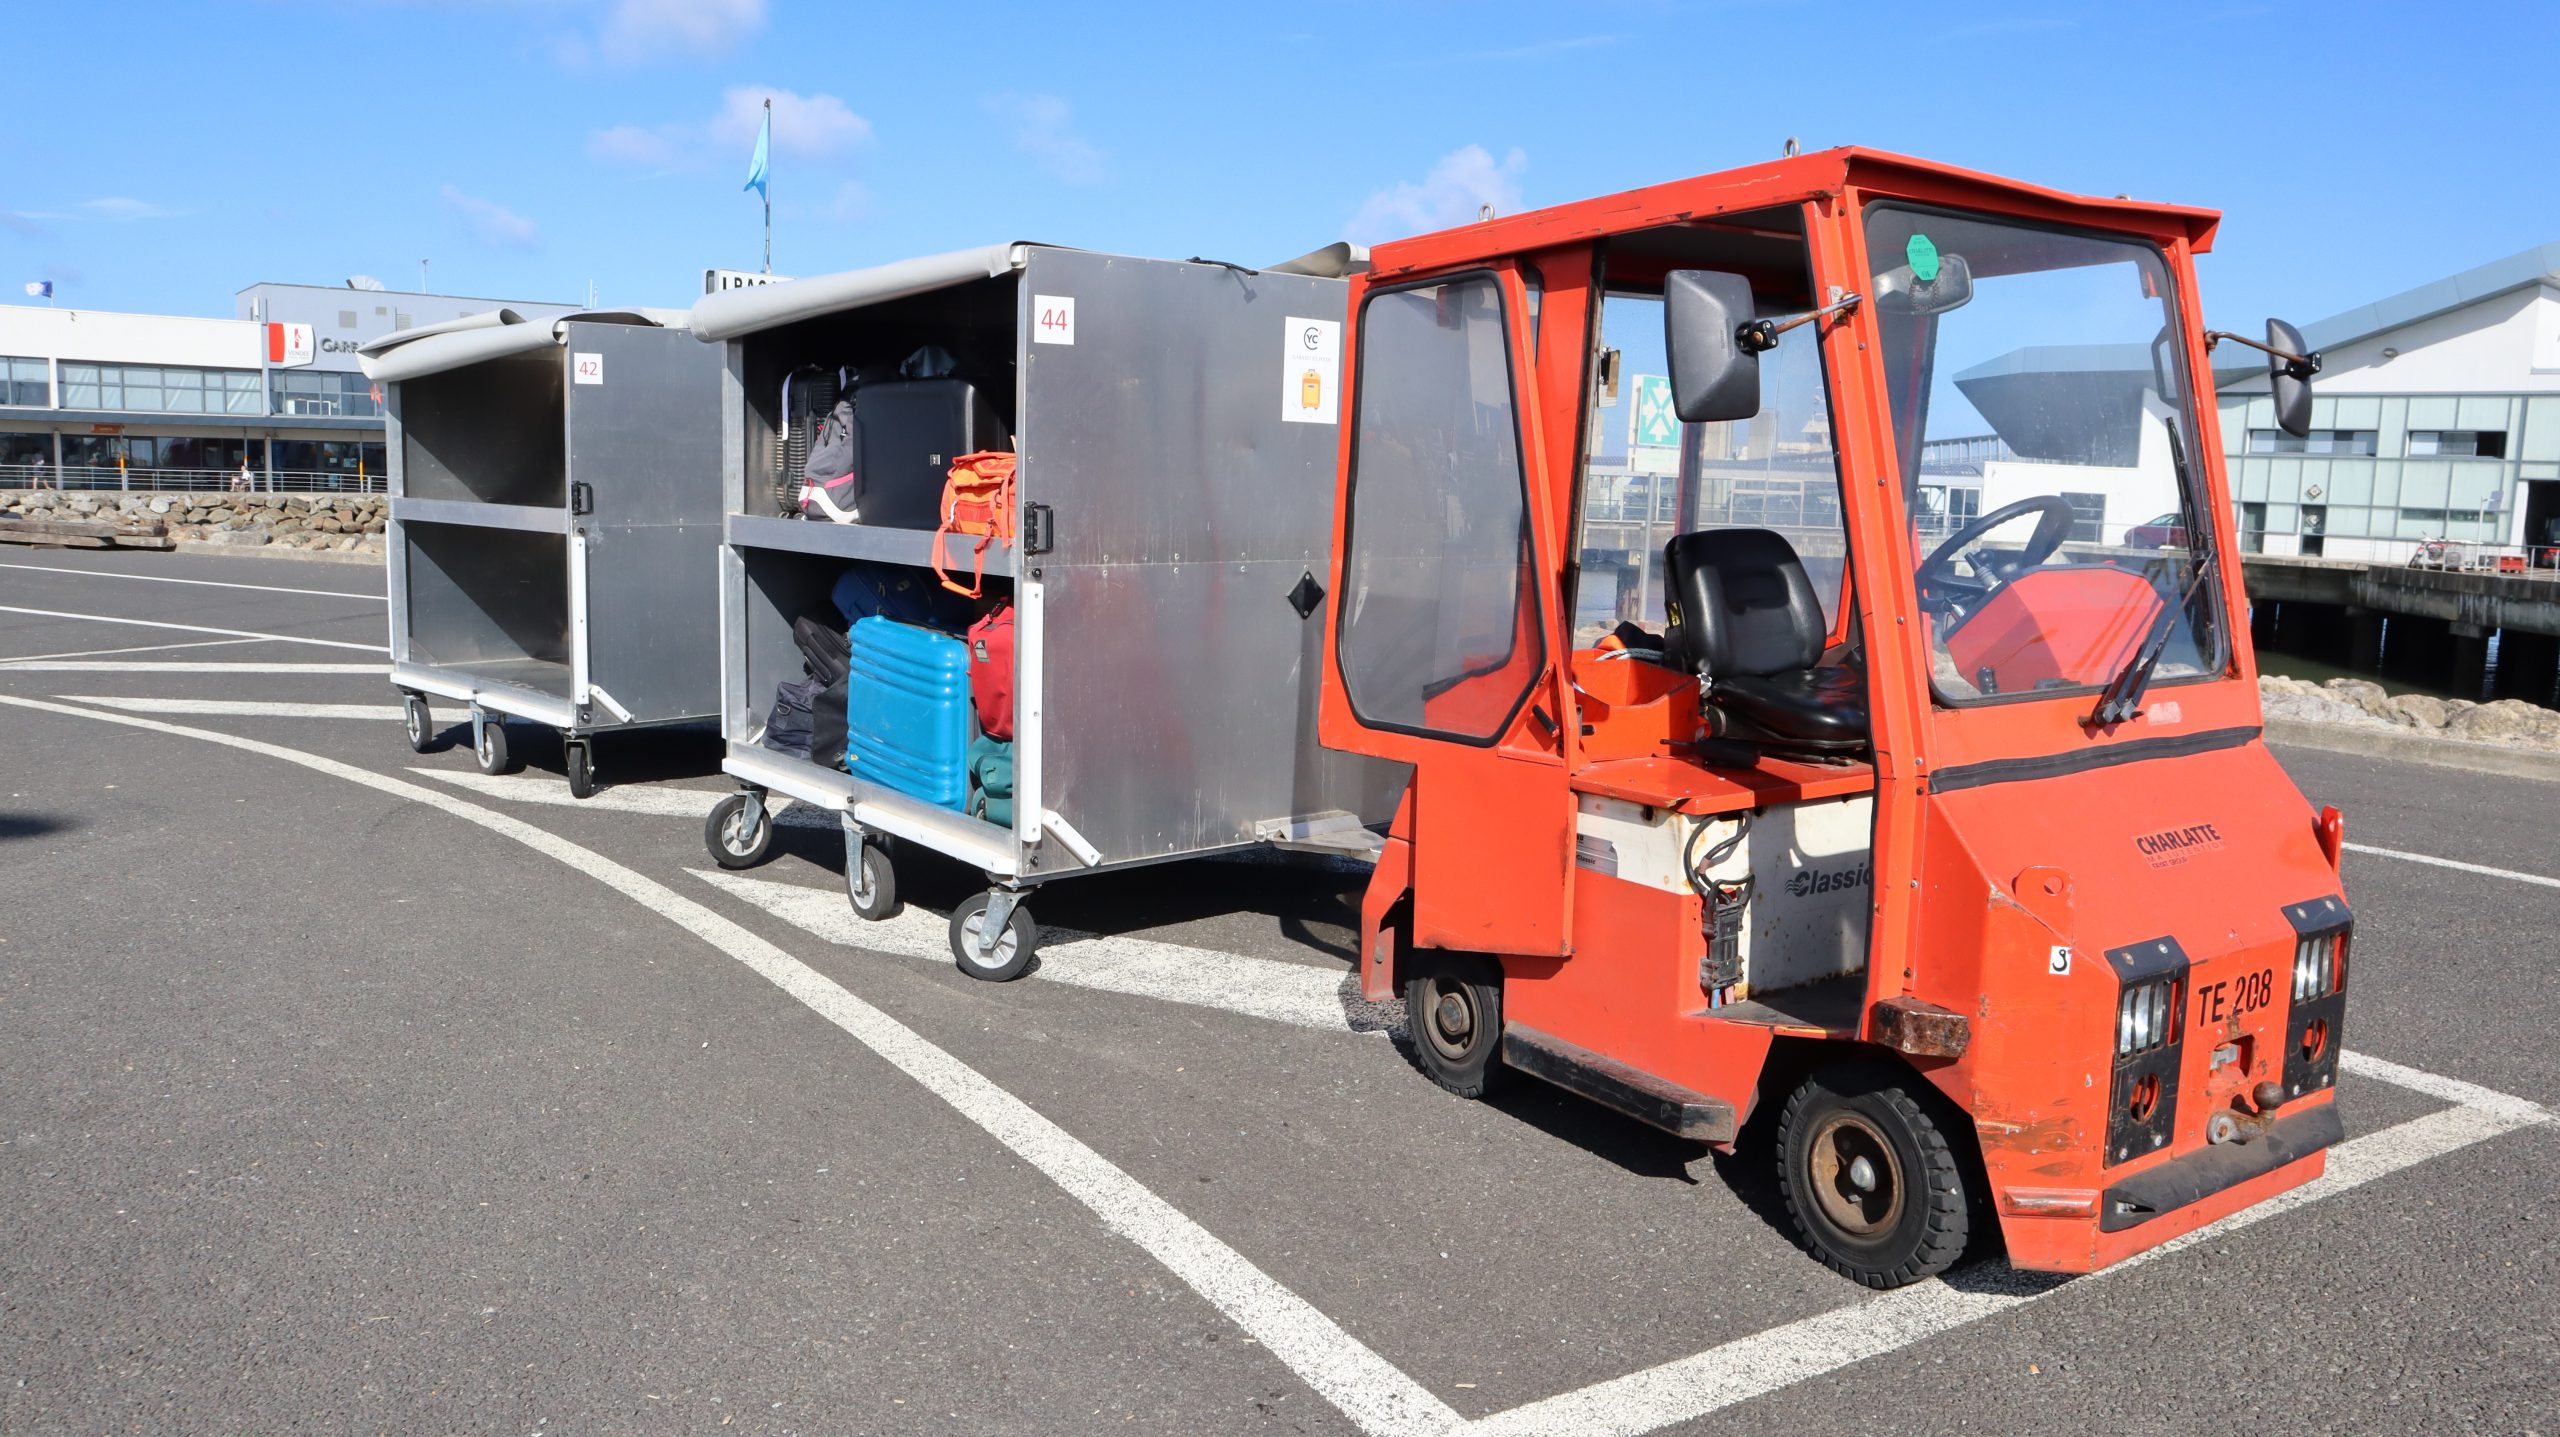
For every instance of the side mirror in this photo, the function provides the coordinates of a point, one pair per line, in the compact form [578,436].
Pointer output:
[2289,378]
[1902,291]
[1713,377]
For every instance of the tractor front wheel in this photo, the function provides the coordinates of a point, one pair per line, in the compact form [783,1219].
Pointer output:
[1454,1014]
[1871,1179]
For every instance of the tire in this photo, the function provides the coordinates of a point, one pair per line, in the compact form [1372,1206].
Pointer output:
[1454,1015]
[719,832]
[870,882]
[1875,1188]
[489,745]
[581,763]
[420,722]
[1013,948]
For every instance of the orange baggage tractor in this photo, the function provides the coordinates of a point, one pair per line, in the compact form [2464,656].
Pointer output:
[1916,807]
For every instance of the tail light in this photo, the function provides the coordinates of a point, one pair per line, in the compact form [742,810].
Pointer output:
[2319,965]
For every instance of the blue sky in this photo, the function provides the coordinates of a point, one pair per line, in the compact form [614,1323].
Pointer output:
[162,155]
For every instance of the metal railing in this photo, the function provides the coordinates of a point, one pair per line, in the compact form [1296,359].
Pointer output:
[92,478]
[2514,561]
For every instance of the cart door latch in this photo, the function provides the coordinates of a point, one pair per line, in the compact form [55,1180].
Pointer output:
[582,497]
[1039,529]
[1721,965]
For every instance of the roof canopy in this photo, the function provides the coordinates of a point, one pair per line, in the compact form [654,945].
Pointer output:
[479,338]
[737,312]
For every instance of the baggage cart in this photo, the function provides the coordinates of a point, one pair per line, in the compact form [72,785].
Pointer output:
[555,519]
[1175,427]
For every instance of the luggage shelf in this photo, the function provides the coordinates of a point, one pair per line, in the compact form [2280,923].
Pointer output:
[525,518]
[912,547]
[975,842]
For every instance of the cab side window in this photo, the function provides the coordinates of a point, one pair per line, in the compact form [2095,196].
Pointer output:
[1439,629]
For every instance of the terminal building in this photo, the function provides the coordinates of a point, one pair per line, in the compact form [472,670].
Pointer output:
[104,400]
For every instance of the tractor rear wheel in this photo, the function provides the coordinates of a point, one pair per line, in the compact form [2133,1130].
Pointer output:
[1872,1181]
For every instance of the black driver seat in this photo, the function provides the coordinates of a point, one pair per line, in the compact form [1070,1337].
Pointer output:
[1745,618]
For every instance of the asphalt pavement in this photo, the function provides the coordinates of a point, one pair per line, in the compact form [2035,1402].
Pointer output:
[349,1089]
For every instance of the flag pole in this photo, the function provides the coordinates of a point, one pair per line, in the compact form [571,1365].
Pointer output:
[766,189]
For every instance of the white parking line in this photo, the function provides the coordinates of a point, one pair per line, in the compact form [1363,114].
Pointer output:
[193,628]
[32,659]
[237,708]
[207,583]
[1377,1397]
[692,803]
[1295,993]
[2434,862]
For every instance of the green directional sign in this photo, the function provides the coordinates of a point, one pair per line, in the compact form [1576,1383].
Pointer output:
[1653,423]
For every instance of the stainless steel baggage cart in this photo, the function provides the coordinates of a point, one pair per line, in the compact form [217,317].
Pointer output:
[1175,425]
[555,525]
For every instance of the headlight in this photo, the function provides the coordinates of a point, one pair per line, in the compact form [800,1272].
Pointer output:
[2319,965]
[2145,1016]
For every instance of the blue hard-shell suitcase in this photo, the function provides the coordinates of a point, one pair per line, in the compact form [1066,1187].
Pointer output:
[907,715]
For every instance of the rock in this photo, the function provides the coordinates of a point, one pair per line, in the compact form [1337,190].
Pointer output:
[2294,699]
[2505,721]
[2423,711]
[242,538]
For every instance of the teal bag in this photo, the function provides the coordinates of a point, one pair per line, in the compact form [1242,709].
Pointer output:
[991,780]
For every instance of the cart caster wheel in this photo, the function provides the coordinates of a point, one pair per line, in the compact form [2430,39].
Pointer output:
[421,722]
[871,882]
[725,832]
[1013,946]
[489,745]
[1871,1180]
[582,768]
[1455,1017]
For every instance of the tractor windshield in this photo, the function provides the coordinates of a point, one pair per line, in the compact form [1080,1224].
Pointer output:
[2047,446]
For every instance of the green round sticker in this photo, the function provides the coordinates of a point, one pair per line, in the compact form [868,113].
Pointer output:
[1924,259]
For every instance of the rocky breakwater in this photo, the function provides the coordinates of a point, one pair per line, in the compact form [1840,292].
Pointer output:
[2362,703]
[343,523]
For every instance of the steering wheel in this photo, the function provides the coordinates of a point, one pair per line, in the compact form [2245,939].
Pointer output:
[1941,589]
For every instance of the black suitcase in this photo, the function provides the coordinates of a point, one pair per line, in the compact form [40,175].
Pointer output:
[910,432]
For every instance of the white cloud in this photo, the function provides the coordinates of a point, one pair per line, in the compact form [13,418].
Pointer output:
[810,126]
[118,207]
[1456,190]
[646,29]
[1044,129]
[853,202]
[492,222]
[24,222]
[661,147]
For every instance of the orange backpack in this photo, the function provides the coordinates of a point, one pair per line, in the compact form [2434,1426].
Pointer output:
[977,499]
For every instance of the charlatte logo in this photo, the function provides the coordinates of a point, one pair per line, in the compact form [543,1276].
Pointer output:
[1810,881]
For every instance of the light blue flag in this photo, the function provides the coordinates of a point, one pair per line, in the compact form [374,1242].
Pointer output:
[759,171]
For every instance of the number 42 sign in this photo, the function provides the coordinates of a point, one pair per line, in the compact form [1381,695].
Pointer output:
[587,368]
[1053,319]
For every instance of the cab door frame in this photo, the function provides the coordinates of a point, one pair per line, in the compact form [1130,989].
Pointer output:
[1490,818]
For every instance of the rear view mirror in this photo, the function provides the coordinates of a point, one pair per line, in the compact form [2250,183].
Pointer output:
[2164,364]
[1714,378]
[1902,290]
[2289,377]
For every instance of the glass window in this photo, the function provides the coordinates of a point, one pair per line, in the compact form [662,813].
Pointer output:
[2457,443]
[26,448]
[2058,344]
[23,382]
[1439,628]
[1649,477]
[2318,441]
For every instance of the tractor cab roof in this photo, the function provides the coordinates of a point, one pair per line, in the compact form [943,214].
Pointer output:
[1835,173]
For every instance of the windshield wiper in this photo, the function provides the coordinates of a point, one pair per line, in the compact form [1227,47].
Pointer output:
[2122,700]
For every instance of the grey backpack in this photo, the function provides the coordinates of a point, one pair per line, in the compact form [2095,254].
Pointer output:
[829,489]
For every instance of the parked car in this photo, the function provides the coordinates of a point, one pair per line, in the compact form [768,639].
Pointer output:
[2169,531]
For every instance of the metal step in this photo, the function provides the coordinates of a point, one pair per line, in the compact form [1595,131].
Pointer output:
[1656,1102]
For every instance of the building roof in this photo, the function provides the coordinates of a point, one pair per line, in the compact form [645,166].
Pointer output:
[2538,265]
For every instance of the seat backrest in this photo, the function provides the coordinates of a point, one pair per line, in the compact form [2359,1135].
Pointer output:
[1740,604]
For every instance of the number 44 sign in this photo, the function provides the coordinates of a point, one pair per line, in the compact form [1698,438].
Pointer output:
[1053,319]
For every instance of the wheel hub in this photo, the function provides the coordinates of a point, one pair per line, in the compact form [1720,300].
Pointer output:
[1450,1023]
[1856,1181]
